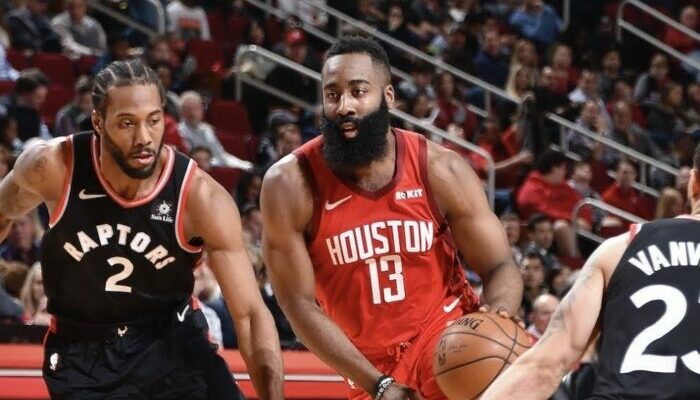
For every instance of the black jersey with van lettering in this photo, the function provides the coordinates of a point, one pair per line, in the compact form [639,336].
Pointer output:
[650,333]
[106,259]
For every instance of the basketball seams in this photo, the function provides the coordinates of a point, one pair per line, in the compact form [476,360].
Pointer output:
[470,362]
[506,333]
[505,362]
[481,336]
[474,354]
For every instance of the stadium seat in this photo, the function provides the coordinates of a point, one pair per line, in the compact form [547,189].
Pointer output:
[273,30]
[227,177]
[6,87]
[208,53]
[84,65]
[237,26]
[57,67]
[238,145]
[58,97]
[229,116]
[217,26]
[17,59]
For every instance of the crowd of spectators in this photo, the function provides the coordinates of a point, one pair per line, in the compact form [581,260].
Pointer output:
[626,91]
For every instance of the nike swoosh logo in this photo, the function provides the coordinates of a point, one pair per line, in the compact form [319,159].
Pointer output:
[449,307]
[84,196]
[181,316]
[331,206]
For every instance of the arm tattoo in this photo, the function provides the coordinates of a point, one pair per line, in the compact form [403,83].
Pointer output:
[14,201]
[38,172]
[558,322]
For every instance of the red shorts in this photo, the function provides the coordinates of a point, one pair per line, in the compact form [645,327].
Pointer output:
[412,364]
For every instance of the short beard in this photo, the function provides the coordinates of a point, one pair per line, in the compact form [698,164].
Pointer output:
[120,158]
[369,145]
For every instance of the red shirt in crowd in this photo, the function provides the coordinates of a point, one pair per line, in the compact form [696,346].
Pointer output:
[449,112]
[555,201]
[680,41]
[630,200]
[508,146]
[172,136]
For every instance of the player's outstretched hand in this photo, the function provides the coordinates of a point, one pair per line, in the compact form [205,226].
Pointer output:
[502,312]
[398,391]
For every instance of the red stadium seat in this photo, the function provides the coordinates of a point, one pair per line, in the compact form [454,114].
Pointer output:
[17,59]
[6,87]
[229,116]
[217,26]
[238,145]
[227,177]
[58,97]
[237,27]
[57,67]
[208,53]
[85,64]
[273,30]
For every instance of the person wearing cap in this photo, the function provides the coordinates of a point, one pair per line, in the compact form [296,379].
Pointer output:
[296,49]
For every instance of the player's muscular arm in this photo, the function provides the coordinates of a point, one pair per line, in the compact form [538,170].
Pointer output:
[37,176]
[538,372]
[476,230]
[212,215]
[287,210]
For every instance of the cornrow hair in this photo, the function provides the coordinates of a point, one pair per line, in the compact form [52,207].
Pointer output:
[120,74]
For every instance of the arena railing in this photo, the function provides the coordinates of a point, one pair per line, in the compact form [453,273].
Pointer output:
[589,202]
[631,153]
[160,29]
[281,60]
[622,24]
[490,90]
[312,30]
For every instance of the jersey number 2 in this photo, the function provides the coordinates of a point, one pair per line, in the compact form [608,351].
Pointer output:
[112,284]
[676,307]
[396,276]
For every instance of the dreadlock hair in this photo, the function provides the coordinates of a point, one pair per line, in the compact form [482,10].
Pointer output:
[120,74]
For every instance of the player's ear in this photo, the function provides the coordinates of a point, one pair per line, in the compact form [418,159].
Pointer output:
[97,122]
[389,96]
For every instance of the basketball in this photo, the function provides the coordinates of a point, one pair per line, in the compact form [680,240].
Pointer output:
[474,350]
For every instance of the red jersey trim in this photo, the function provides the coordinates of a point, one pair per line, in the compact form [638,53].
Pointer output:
[423,167]
[634,230]
[125,203]
[398,171]
[67,181]
[305,167]
[181,205]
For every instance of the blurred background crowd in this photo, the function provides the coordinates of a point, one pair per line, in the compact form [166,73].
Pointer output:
[224,109]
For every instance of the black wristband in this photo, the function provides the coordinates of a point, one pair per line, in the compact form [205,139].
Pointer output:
[381,386]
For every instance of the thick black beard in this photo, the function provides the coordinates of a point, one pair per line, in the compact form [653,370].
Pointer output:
[369,145]
[120,158]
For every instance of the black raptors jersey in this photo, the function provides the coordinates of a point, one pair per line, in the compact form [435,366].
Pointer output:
[107,259]
[650,334]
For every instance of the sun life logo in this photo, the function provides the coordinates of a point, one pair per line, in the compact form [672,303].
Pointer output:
[162,212]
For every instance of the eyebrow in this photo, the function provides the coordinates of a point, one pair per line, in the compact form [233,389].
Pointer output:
[126,114]
[351,83]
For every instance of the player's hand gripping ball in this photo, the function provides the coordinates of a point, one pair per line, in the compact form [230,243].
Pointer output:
[474,350]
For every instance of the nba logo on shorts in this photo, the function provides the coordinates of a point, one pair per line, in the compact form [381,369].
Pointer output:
[53,361]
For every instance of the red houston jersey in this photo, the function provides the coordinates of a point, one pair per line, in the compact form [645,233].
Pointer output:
[384,261]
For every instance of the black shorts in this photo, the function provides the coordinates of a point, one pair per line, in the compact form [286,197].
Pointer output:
[156,359]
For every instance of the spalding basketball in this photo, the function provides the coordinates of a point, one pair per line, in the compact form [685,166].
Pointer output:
[474,350]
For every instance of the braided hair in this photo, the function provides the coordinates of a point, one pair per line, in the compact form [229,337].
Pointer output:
[120,74]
